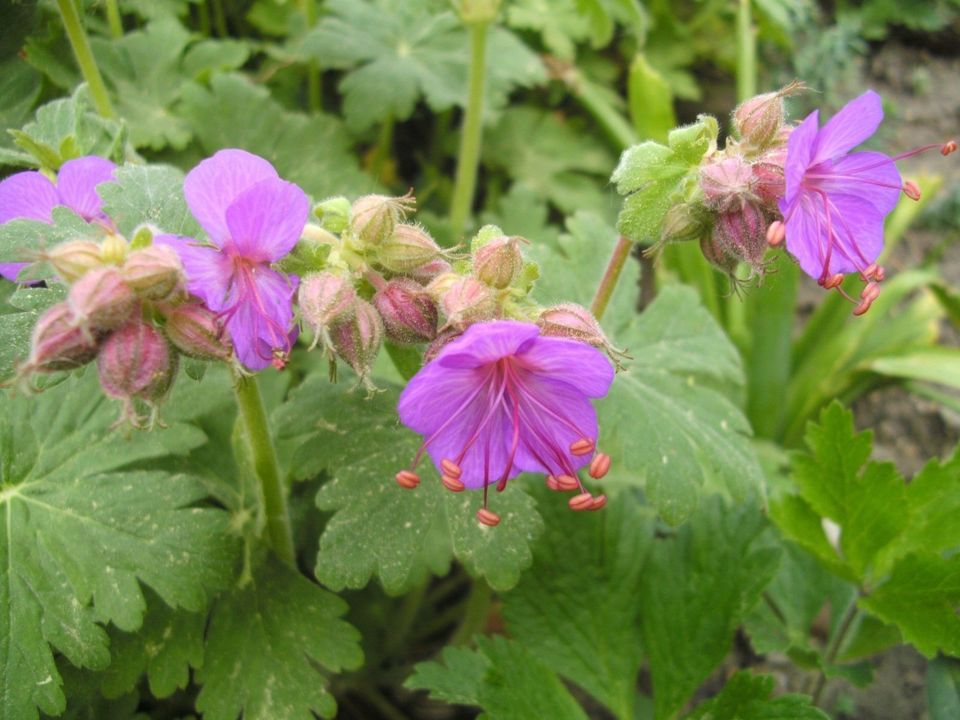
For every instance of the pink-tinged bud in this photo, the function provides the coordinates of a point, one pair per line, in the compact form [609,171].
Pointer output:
[58,344]
[428,272]
[408,249]
[136,363]
[357,338]
[684,221]
[154,273]
[325,298]
[742,233]
[373,218]
[198,332]
[716,255]
[73,259]
[468,301]
[442,340]
[498,262]
[101,301]
[725,182]
[758,120]
[575,322]
[768,177]
[408,311]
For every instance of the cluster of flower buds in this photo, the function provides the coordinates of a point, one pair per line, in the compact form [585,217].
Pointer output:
[128,309]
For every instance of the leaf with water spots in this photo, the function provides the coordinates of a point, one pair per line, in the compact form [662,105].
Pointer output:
[83,530]
[377,528]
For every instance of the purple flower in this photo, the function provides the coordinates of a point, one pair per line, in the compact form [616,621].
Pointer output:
[253,218]
[501,400]
[32,196]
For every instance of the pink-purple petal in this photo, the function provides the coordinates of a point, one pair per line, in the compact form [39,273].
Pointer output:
[77,184]
[29,196]
[799,153]
[266,220]
[261,317]
[484,343]
[568,361]
[804,238]
[9,271]
[871,176]
[212,186]
[852,125]
[209,271]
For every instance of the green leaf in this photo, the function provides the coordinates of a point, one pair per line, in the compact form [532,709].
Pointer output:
[943,689]
[264,642]
[397,51]
[667,422]
[936,364]
[210,56]
[654,177]
[560,23]
[20,88]
[650,101]
[748,697]
[150,194]
[501,676]
[24,240]
[312,151]
[81,535]
[922,598]
[554,157]
[378,528]
[697,587]
[588,569]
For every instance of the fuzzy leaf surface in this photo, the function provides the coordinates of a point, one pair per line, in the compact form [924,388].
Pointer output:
[748,697]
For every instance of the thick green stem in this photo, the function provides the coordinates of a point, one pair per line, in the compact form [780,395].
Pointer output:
[470,134]
[596,103]
[383,149]
[113,18]
[608,282]
[85,59]
[219,18]
[314,93]
[475,614]
[746,52]
[264,457]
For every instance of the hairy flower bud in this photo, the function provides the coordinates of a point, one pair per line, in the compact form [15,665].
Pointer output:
[114,249]
[325,298]
[742,234]
[714,254]
[444,337]
[74,258]
[198,332]
[101,301]
[136,362]
[467,301]
[409,248]
[154,273]
[684,221]
[408,311]
[333,214]
[758,120]
[58,344]
[725,182]
[498,262]
[357,338]
[569,320]
[373,218]
[768,183]
[428,272]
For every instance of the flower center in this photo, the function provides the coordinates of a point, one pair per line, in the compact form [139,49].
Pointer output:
[245,290]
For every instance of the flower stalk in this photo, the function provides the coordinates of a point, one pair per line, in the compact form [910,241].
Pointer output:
[314,95]
[113,18]
[264,457]
[88,65]
[746,52]
[611,275]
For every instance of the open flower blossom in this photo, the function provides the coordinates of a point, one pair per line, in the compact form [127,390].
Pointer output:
[502,399]
[836,200]
[253,218]
[31,195]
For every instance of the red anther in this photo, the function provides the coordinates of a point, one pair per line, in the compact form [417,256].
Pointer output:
[450,468]
[879,274]
[776,233]
[583,501]
[869,271]
[598,502]
[488,517]
[948,147]
[831,282]
[452,484]
[911,190]
[567,482]
[870,292]
[862,307]
[407,479]
[552,483]
[583,446]
[279,359]
[599,466]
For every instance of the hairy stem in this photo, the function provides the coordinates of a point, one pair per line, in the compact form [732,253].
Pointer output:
[113,18]
[470,134]
[608,282]
[264,457]
[85,59]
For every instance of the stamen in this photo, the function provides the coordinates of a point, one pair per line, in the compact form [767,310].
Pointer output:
[450,468]
[407,479]
[583,446]
[566,483]
[832,281]
[948,147]
[452,484]
[583,501]
[870,292]
[598,502]
[911,190]
[552,483]
[599,466]
[488,517]
[776,233]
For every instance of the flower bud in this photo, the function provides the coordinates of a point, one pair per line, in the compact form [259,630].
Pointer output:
[426,273]
[758,120]
[468,301]
[444,337]
[716,255]
[373,218]
[58,344]
[725,181]
[114,249]
[198,332]
[768,176]
[742,234]
[136,362]
[325,298]
[408,311]
[101,301]
[441,284]
[357,338]
[575,322]
[409,248]
[333,214]
[498,262]
[73,259]
[684,221]
[154,273]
